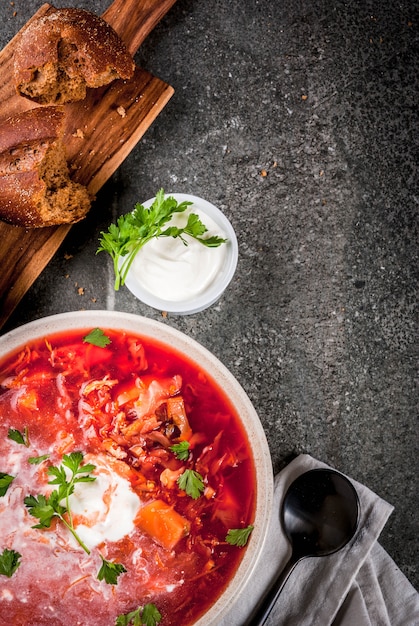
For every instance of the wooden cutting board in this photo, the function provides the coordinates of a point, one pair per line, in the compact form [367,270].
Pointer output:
[100,132]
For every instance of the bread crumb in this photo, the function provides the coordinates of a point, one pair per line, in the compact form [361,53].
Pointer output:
[304,97]
[80,291]
[164,314]
[67,256]
[264,173]
[121,111]
[79,133]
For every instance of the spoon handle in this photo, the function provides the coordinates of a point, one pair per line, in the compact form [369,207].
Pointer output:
[263,609]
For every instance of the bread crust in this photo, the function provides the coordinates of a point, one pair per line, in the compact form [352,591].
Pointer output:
[60,54]
[35,186]
[32,125]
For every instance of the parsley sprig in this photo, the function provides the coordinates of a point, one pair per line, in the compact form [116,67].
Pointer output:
[5,482]
[239,536]
[97,338]
[37,460]
[57,504]
[181,450]
[133,230]
[143,616]
[110,571]
[192,483]
[19,437]
[9,562]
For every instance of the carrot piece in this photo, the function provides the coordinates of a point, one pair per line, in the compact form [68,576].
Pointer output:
[161,522]
[176,412]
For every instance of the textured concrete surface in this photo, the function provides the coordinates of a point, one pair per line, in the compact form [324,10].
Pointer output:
[299,120]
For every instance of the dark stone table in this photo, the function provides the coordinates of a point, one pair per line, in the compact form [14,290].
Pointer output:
[298,119]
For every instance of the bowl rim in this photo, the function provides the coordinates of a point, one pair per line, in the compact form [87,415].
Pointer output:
[181,342]
[211,295]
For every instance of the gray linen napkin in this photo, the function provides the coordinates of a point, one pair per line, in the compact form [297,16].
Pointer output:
[358,586]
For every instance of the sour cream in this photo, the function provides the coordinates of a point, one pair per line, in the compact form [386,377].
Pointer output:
[171,270]
[106,507]
[172,276]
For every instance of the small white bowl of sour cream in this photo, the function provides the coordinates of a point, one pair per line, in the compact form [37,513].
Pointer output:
[183,279]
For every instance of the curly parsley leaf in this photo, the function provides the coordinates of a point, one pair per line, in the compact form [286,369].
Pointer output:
[97,338]
[133,230]
[5,482]
[239,536]
[9,562]
[181,450]
[147,616]
[19,437]
[109,571]
[57,504]
[192,483]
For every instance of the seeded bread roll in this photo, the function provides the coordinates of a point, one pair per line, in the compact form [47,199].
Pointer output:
[35,186]
[62,53]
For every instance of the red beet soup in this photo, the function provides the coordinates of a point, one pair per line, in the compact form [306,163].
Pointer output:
[127,483]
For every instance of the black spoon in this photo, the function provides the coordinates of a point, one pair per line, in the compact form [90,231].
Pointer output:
[319,516]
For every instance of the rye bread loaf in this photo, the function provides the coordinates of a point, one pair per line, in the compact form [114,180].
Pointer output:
[60,54]
[35,185]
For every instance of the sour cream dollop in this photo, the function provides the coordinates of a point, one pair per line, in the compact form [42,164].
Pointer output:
[171,270]
[107,506]
[172,276]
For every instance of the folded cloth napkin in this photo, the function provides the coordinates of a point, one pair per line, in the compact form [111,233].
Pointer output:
[359,585]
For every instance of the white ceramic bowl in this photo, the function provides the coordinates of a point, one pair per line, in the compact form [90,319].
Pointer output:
[199,297]
[195,352]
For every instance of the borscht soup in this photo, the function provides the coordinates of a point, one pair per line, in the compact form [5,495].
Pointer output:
[127,483]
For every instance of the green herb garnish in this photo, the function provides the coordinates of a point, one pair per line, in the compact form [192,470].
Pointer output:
[192,483]
[18,437]
[143,616]
[109,571]
[37,460]
[57,503]
[239,536]
[181,450]
[97,337]
[9,562]
[5,481]
[133,230]
[150,616]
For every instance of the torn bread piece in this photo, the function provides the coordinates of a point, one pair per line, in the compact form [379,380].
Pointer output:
[35,185]
[62,53]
